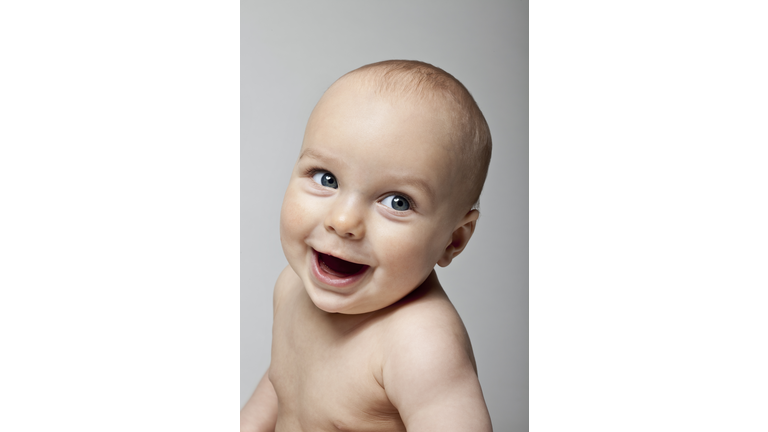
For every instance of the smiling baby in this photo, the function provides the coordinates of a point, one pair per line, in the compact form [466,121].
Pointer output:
[364,338]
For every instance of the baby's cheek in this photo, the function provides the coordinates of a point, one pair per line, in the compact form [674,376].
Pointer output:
[291,214]
[291,222]
[407,252]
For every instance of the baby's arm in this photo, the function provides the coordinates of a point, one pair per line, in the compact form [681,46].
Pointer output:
[430,378]
[260,412]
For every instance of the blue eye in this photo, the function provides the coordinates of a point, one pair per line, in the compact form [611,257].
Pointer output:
[397,202]
[326,179]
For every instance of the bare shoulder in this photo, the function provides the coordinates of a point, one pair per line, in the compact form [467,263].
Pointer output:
[428,324]
[426,320]
[429,371]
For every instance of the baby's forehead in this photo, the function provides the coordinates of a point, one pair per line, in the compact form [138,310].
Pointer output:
[429,130]
[322,146]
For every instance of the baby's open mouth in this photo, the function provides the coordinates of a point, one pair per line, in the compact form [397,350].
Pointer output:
[337,266]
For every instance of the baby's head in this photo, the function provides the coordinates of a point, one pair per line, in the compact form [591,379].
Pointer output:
[393,161]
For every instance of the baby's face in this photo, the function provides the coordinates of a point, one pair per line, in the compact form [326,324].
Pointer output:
[372,202]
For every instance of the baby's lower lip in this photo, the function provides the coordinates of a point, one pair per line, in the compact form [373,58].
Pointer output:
[327,276]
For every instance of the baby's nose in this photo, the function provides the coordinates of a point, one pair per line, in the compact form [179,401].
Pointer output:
[346,220]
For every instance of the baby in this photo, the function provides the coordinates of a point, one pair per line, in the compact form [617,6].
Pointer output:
[364,338]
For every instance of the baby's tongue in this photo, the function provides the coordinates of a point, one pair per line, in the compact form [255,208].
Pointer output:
[338,266]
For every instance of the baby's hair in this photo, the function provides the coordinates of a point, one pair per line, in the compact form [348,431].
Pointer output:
[410,78]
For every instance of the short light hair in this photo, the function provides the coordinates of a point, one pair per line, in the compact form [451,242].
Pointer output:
[410,78]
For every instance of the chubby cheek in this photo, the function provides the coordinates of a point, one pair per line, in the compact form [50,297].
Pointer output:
[293,221]
[410,255]
[291,217]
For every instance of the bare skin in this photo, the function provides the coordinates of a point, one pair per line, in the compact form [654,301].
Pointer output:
[373,343]
[408,366]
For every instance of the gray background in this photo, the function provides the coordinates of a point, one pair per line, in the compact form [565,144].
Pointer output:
[290,53]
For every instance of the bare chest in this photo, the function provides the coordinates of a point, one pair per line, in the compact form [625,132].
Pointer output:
[326,374]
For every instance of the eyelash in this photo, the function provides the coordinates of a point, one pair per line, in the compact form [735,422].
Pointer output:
[311,171]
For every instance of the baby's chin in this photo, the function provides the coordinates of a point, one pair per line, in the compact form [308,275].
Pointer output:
[336,307]
[331,308]
[335,304]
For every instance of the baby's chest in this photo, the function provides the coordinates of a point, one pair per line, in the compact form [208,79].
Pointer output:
[329,381]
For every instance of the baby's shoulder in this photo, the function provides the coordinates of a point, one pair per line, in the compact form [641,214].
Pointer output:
[430,312]
[429,325]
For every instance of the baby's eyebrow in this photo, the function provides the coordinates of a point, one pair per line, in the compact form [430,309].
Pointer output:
[418,183]
[314,154]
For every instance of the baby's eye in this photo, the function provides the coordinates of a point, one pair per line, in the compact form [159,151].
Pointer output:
[326,179]
[397,202]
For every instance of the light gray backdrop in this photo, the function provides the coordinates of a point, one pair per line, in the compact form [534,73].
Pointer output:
[290,53]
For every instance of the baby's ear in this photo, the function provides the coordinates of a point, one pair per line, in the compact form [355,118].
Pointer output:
[459,238]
